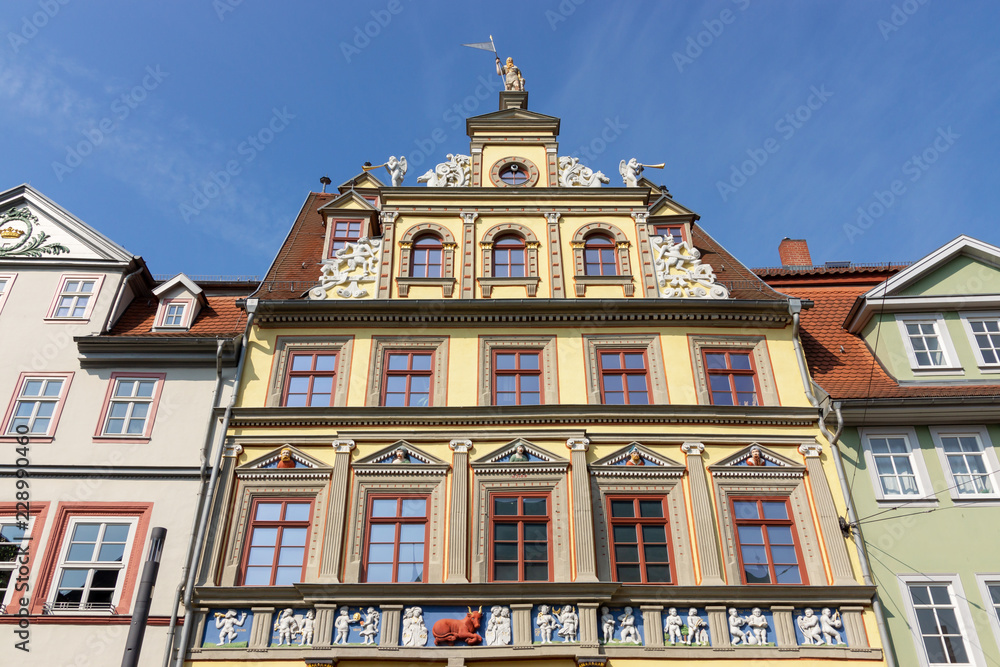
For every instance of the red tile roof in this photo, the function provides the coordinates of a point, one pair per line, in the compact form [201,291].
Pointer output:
[219,318]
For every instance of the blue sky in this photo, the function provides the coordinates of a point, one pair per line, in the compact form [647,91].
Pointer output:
[774,119]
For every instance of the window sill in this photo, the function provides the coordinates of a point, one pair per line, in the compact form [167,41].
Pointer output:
[32,439]
[446,284]
[122,440]
[887,503]
[530,283]
[582,281]
[938,370]
[78,320]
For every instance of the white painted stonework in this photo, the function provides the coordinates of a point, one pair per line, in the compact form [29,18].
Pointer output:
[680,273]
[574,174]
[351,266]
[455,173]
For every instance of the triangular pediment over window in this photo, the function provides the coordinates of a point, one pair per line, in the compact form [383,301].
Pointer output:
[637,460]
[520,456]
[285,460]
[755,460]
[400,457]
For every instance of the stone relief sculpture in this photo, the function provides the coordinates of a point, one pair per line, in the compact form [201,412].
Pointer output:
[369,625]
[512,79]
[227,624]
[455,173]
[498,629]
[401,456]
[672,625]
[607,624]
[546,623]
[758,627]
[306,628]
[355,263]
[447,631]
[287,627]
[756,458]
[396,169]
[18,238]
[285,459]
[635,458]
[697,629]
[569,622]
[520,455]
[831,625]
[736,633]
[574,174]
[629,633]
[414,630]
[342,626]
[809,625]
[680,273]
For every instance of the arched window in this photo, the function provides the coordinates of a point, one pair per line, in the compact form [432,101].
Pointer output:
[599,256]
[508,257]
[426,257]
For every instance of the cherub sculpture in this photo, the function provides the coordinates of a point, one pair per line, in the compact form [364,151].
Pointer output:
[630,172]
[396,169]
[227,624]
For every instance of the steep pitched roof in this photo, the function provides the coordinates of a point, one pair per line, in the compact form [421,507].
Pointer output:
[729,271]
[220,317]
[296,266]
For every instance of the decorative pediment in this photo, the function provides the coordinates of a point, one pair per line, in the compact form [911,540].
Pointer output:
[755,460]
[520,456]
[349,201]
[283,461]
[637,460]
[400,458]
[365,180]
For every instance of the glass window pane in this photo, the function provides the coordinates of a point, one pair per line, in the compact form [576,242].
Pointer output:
[505,551]
[780,534]
[326,362]
[750,534]
[536,532]
[535,506]
[626,553]
[955,646]
[634,360]
[658,574]
[286,576]
[414,507]
[629,573]
[920,595]
[650,508]
[412,532]
[529,361]
[379,552]
[756,574]
[379,573]
[624,534]
[295,537]
[655,534]
[739,361]
[505,506]
[781,554]
[787,574]
[505,572]
[111,553]
[745,510]
[410,572]
[715,360]
[382,507]
[262,537]
[505,532]
[257,576]
[421,362]
[655,553]
[610,361]
[940,595]
[383,532]
[80,552]
[291,556]
[297,511]
[536,572]
[268,512]
[774,510]
[261,556]
[753,555]
[505,361]
[622,508]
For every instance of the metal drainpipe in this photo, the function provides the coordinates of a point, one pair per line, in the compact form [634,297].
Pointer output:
[251,306]
[795,307]
[194,520]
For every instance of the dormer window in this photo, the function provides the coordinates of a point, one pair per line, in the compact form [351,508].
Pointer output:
[174,315]
[927,343]
[983,330]
[342,233]
[181,299]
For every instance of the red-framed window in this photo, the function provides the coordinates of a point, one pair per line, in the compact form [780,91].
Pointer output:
[310,379]
[130,405]
[640,540]
[344,232]
[624,377]
[275,553]
[732,377]
[517,377]
[396,539]
[676,232]
[426,257]
[408,377]
[520,537]
[37,404]
[599,256]
[767,545]
[508,257]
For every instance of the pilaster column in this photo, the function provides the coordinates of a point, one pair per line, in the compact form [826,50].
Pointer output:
[323,632]
[260,630]
[706,533]
[589,637]
[391,614]
[333,538]
[556,265]
[652,623]
[854,627]
[458,519]
[826,510]
[521,624]
[468,289]
[583,520]
[388,219]
[718,626]
[784,631]
[647,268]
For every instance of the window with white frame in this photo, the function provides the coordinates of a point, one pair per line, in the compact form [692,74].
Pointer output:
[989,589]
[174,315]
[14,537]
[6,281]
[968,458]
[940,621]
[895,462]
[928,346]
[984,334]
[37,405]
[130,407]
[74,300]
[92,565]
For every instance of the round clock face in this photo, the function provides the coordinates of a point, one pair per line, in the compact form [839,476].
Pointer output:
[514,172]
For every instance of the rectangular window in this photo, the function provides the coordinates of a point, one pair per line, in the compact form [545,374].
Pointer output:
[624,377]
[994,600]
[37,404]
[75,297]
[344,232]
[768,548]
[676,232]
[407,379]
[311,379]
[174,316]
[984,334]
[967,455]
[640,549]
[894,465]
[6,282]
[519,527]
[130,406]
[731,377]
[91,570]
[925,343]
[517,377]
[396,548]
[938,624]
[13,538]
[275,554]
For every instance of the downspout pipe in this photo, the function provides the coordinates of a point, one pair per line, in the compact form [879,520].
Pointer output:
[171,629]
[251,306]
[795,308]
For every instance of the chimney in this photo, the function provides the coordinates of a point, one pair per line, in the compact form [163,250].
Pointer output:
[794,252]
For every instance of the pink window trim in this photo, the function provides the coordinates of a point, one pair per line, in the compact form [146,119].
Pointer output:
[101,436]
[161,314]
[4,437]
[98,281]
[39,511]
[363,222]
[10,278]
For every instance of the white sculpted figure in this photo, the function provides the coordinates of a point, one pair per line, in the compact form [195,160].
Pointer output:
[498,629]
[630,172]
[227,624]
[736,623]
[396,169]
[680,273]
[697,628]
[831,624]
[672,625]
[306,627]
[414,630]
[455,173]
[287,626]
[809,625]
[607,624]
[629,633]
[512,79]
[546,623]
[574,174]
[758,624]
[569,621]
[342,626]
[357,262]
[369,625]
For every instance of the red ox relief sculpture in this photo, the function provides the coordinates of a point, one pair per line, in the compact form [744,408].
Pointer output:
[447,631]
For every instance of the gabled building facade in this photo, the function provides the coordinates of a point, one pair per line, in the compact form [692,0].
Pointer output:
[907,357]
[108,393]
[515,416]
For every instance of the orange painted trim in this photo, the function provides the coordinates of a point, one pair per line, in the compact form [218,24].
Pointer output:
[819,530]
[692,539]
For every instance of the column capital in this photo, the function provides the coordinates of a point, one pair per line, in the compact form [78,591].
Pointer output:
[460,446]
[469,217]
[388,217]
[553,217]
[640,216]
[693,448]
[232,450]
[811,449]
[343,446]
[578,444]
